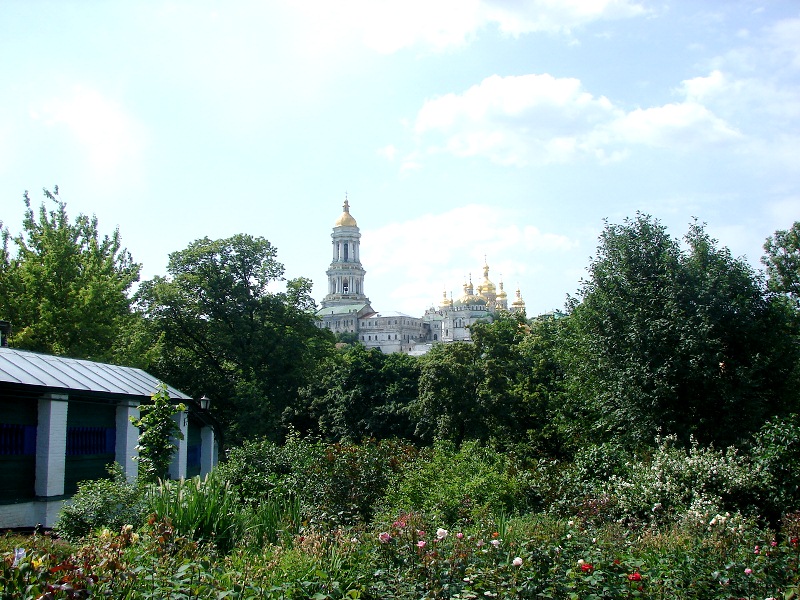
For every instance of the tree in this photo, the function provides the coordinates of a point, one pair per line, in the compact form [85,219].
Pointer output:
[66,289]
[448,407]
[360,394]
[782,260]
[224,334]
[676,341]
[157,434]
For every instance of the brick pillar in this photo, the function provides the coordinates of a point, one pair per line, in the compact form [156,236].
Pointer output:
[177,469]
[51,445]
[127,438]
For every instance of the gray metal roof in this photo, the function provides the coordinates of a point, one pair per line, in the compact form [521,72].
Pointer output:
[45,370]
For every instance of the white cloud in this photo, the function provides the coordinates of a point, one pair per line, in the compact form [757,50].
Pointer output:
[556,16]
[415,260]
[677,126]
[388,26]
[109,136]
[540,119]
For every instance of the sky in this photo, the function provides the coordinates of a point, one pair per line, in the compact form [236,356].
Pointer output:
[461,132]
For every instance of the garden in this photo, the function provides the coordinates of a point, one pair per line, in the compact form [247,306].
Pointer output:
[385,519]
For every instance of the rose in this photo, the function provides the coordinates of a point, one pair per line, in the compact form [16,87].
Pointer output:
[441,533]
[421,544]
[384,537]
[496,543]
[634,577]
[517,562]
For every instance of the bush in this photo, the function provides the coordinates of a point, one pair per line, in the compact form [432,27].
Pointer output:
[456,486]
[338,483]
[776,454]
[103,503]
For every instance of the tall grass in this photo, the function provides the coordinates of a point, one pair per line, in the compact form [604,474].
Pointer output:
[208,510]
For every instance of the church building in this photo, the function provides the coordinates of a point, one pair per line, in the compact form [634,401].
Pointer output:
[346,308]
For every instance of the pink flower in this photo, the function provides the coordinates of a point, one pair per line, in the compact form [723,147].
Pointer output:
[420,533]
[748,571]
[460,535]
[385,538]
[517,562]
[421,544]
[496,543]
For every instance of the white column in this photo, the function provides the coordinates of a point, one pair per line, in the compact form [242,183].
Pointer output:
[127,438]
[51,445]
[177,469]
[208,447]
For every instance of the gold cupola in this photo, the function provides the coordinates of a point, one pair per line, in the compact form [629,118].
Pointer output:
[519,304]
[345,219]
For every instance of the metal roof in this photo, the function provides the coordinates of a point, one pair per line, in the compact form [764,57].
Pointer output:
[45,370]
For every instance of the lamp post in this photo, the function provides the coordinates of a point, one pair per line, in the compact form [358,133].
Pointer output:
[205,402]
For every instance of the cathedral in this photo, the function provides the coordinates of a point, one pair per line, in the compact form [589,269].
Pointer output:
[346,308]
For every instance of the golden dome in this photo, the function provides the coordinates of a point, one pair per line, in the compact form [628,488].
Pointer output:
[469,298]
[346,219]
[502,292]
[487,287]
[519,303]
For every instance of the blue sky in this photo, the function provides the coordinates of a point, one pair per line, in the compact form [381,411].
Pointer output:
[458,130]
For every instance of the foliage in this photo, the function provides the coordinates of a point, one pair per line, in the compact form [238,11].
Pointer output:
[224,334]
[157,434]
[66,289]
[776,454]
[339,483]
[360,394]
[782,259]
[101,503]
[448,406]
[533,556]
[457,485]
[672,340]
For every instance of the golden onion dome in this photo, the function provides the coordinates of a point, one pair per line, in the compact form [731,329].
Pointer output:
[487,287]
[446,303]
[346,219]
[519,302]
[502,293]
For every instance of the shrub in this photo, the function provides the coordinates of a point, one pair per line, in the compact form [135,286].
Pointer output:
[103,503]
[337,483]
[451,486]
[776,454]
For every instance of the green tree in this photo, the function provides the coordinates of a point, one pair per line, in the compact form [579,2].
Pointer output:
[66,289]
[157,434]
[672,340]
[360,394]
[782,260]
[225,334]
[449,407]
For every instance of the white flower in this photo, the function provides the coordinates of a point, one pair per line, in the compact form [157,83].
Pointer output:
[441,533]
[517,562]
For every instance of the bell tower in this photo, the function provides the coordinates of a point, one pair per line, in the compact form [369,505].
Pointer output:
[345,275]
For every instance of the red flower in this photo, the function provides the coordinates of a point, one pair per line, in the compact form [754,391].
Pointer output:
[634,577]
[586,567]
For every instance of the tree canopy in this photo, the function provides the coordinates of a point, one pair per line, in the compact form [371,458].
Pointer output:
[66,290]
[225,334]
[674,340]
